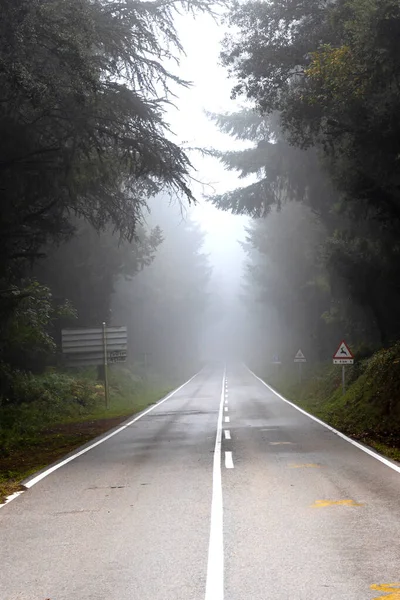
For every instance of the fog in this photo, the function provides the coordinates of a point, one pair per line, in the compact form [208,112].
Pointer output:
[225,318]
[218,219]
[221,332]
[200,205]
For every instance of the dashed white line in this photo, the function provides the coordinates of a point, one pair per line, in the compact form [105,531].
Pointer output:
[215,565]
[226,409]
[227,419]
[227,434]
[228,460]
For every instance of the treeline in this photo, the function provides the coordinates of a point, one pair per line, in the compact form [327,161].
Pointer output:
[84,148]
[322,88]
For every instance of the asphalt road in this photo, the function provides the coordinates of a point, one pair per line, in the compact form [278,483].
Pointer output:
[222,491]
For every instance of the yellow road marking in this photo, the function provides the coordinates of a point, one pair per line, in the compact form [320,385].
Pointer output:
[393,589]
[305,466]
[279,443]
[323,503]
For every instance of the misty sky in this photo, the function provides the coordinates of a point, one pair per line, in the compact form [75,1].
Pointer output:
[210,91]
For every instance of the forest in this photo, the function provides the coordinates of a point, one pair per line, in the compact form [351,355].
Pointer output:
[93,183]
[319,85]
[321,82]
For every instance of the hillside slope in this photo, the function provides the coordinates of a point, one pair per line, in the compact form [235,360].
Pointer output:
[370,409]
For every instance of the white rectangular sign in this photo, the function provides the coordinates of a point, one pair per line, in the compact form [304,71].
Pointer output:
[343,361]
[85,345]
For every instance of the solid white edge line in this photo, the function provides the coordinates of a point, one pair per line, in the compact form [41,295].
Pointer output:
[215,564]
[228,460]
[11,497]
[375,455]
[35,480]
[227,434]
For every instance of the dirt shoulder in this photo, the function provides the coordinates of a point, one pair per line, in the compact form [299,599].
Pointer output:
[52,444]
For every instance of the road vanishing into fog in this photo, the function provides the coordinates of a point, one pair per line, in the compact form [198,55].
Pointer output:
[224,490]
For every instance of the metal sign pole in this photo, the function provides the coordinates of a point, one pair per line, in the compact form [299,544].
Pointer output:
[343,356]
[105,365]
[344,379]
[300,359]
[145,370]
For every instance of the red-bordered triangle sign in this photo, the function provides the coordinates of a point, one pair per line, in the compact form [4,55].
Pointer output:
[343,352]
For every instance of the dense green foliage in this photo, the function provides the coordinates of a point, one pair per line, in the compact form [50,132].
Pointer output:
[369,411]
[324,132]
[84,145]
[84,89]
[57,412]
[41,401]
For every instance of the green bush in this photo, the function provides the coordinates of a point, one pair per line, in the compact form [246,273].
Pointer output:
[35,401]
[370,408]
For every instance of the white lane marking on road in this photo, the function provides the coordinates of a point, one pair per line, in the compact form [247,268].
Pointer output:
[227,419]
[375,455]
[215,565]
[227,434]
[226,409]
[11,497]
[32,482]
[228,460]
[226,401]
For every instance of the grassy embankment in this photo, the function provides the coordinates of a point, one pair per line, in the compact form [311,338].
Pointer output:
[370,409]
[58,412]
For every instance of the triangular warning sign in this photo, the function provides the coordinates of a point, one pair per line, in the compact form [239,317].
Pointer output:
[343,352]
[300,357]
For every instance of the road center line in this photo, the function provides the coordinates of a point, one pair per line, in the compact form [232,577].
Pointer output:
[215,565]
[227,434]
[228,460]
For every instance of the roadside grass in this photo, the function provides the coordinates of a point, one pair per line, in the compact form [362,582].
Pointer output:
[368,412]
[49,436]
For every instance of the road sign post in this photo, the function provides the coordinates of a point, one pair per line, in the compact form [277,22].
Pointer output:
[105,365]
[83,346]
[99,346]
[343,356]
[343,380]
[300,359]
